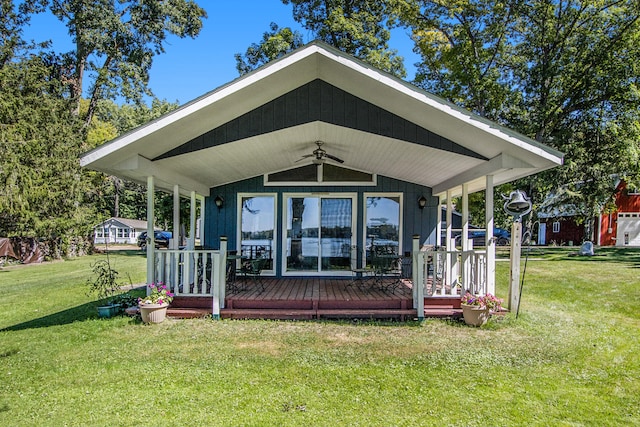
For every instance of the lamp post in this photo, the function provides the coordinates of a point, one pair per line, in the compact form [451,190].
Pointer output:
[516,205]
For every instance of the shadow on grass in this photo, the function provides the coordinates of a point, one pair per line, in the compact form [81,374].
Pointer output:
[125,252]
[75,314]
[630,256]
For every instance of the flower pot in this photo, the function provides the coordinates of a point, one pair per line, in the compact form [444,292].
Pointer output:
[475,315]
[153,313]
[106,311]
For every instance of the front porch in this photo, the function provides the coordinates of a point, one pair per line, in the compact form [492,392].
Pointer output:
[318,298]
[205,283]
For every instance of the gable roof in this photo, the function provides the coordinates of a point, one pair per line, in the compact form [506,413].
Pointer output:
[125,222]
[268,119]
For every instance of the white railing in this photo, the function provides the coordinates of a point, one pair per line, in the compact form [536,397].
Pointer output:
[193,273]
[449,273]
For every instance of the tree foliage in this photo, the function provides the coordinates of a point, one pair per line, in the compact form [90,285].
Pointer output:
[464,48]
[115,43]
[111,195]
[563,72]
[274,44]
[45,194]
[42,188]
[357,27]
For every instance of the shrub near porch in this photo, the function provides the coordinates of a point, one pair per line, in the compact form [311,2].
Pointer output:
[570,358]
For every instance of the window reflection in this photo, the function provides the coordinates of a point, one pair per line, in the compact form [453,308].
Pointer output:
[383,224]
[258,228]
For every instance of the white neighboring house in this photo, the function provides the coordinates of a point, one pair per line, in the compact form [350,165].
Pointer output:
[119,230]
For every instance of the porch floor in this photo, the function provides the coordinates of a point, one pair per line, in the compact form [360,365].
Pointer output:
[315,298]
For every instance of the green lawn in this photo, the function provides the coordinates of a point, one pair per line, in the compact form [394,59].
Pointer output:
[571,358]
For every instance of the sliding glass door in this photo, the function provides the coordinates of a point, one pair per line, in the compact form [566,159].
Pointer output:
[319,233]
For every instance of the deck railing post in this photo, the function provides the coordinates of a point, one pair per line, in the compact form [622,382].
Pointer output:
[418,278]
[218,262]
[222,268]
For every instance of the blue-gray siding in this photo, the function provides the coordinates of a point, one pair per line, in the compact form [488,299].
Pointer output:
[319,101]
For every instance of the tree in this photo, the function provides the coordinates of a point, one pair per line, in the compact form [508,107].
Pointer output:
[111,195]
[115,43]
[562,72]
[12,20]
[357,27]
[274,44]
[42,188]
[464,47]
[580,92]
[45,194]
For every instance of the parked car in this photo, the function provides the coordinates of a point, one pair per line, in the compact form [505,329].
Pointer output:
[161,239]
[502,236]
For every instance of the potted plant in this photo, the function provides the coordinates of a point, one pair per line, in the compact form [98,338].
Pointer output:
[124,301]
[476,310]
[104,285]
[153,307]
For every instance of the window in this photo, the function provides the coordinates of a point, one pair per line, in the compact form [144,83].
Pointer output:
[556,227]
[257,227]
[320,174]
[383,223]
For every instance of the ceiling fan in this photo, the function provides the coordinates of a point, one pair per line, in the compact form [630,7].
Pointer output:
[319,155]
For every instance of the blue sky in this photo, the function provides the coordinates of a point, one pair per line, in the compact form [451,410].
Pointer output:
[190,68]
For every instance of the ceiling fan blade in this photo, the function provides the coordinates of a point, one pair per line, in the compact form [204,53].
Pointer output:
[306,156]
[334,158]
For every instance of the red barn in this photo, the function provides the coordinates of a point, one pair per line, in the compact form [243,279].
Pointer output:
[622,227]
[619,228]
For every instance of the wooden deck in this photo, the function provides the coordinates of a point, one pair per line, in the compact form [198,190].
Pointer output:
[316,298]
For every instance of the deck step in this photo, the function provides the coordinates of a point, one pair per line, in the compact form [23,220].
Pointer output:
[290,314]
[368,313]
[441,311]
[272,314]
[188,313]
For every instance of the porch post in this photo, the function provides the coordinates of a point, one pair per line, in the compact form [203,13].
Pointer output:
[151,247]
[418,278]
[465,238]
[439,223]
[448,259]
[191,243]
[490,274]
[449,221]
[201,222]
[176,217]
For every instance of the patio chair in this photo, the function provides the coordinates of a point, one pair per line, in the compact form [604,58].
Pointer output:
[251,270]
[362,277]
[388,271]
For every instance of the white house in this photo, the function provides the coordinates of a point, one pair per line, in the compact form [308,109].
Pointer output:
[119,230]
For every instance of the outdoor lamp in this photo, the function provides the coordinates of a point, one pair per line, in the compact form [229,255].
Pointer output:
[219,201]
[422,202]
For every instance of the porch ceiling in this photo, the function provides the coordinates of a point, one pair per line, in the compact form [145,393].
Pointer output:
[510,155]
